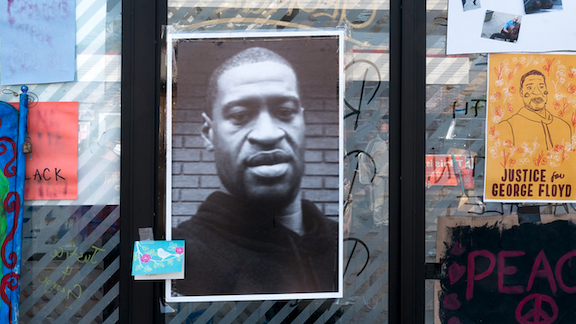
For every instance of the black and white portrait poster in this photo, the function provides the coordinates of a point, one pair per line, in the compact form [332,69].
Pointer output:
[254,164]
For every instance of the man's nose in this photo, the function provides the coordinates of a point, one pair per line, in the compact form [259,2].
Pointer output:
[266,131]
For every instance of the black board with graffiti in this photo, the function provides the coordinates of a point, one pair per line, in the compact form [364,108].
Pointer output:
[501,272]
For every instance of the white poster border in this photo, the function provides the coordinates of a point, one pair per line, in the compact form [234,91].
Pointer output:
[173,35]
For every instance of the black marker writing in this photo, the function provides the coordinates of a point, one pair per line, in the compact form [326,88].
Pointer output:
[358,111]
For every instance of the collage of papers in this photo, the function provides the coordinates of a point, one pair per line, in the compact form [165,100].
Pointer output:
[494,26]
[530,118]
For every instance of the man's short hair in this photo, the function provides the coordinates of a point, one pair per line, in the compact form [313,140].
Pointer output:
[529,73]
[248,56]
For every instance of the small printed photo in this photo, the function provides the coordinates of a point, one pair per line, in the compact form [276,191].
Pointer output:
[501,26]
[470,4]
[537,6]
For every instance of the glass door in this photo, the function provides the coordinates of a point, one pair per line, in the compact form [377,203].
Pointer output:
[70,247]
[366,155]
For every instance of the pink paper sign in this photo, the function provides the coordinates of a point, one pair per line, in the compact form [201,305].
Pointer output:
[52,167]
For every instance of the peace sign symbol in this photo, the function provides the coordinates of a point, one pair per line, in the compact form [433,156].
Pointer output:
[537,315]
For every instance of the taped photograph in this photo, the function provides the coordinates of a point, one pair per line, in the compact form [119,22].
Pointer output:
[470,5]
[501,26]
[254,169]
[538,6]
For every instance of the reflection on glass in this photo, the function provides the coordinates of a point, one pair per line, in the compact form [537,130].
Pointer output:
[70,249]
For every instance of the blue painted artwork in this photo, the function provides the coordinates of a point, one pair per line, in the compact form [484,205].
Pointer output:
[37,41]
[154,257]
[13,133]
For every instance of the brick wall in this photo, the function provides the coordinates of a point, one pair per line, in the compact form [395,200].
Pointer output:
[193,170]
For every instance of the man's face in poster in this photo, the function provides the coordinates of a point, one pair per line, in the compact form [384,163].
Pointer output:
[257,133]
[534,93]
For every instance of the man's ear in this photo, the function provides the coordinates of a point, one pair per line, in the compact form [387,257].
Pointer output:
[207,133]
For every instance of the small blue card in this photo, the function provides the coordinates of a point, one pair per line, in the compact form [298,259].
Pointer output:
[155,257]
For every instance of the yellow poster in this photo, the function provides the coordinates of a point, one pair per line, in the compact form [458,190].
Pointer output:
[530,121]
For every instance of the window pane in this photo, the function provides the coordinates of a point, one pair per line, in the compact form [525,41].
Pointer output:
[70,249]
[455,123]
[365,161]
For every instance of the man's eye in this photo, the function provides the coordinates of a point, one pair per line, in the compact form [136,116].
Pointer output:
[239,116]
[287,111]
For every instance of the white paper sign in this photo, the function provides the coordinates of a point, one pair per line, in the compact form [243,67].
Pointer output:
[541,31]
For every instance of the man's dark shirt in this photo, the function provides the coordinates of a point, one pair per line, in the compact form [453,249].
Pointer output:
[232,250]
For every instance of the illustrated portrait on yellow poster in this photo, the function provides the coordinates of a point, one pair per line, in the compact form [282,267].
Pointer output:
[530,128]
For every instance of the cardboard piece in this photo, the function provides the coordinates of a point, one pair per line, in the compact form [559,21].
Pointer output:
[505,269]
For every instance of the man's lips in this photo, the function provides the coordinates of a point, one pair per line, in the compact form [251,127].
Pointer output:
[268,158]
[538,100]
[269,164]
